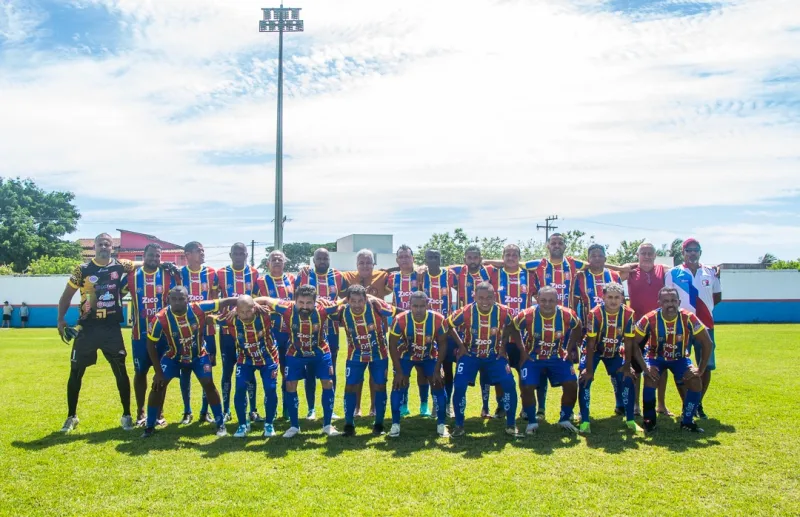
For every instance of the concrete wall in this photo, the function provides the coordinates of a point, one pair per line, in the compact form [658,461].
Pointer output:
[760,296]
[346,261]
[375,242]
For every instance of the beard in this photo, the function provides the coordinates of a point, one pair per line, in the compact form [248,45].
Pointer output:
[305,313]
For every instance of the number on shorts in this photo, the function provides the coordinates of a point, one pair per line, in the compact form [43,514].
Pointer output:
[347,372]
[460,368]
[285,371]
[238,370]
[74,355]
[164,368]
[524,373]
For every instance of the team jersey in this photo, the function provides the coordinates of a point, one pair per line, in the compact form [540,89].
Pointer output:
[418,338]
[558,276]
[438,289]
[696,291]
[512,289]
[589,290]
[466,282]
[482,331]
[306,335]
[329,286]
[546,338]
[282,288]
[183,333]
[402,285]
[254,340]
[366,332]
[148,296]
[200,285]
[668,340]
[101,290]
[232,283]
[609,330]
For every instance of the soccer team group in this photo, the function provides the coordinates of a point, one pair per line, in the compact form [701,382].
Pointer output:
[540,318]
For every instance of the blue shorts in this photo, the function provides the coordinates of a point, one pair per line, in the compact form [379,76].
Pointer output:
[295,369]
[678,367]
[698,352]
[378,371]
[428,366]
[246,373]
[557,371]
[612,364]
[227,346]
[141,359]
[201,366]
[496,368]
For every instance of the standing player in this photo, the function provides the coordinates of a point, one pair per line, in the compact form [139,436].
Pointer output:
[251,329]
[418,339]
[552,332]
[329,284]
[700,291]
[483,348]
[307,319]
[609,339]
[100,283]
[672,330]
[234,280]
[181,326]
[279,284]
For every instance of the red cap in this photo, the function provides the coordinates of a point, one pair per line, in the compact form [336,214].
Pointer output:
[690,240]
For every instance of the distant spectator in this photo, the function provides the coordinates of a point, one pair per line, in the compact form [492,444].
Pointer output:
[7,310]
[23,314]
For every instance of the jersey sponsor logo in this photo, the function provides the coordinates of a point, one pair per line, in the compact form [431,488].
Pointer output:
[404,293]
[513,299]
[113,275]
[195,298]
[482,342]
[610,341]
[92,279]
[148,299]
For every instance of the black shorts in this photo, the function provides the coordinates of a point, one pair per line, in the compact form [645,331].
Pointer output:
[24,319]
[6,317]
[105,337]
[640,344]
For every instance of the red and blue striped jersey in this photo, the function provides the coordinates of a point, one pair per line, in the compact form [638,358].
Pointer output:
[200,285]
[546,338]
[232,283]
[558,276]
[609,330]
[512,289]
[482,331]
[402,285]
[148,296]
[439,290]
[466,282]
[281,288]
[668,340]
[329,286]
[306,335]
[366,332]
[183,333]
[254,340]
[418,338]
[588,291]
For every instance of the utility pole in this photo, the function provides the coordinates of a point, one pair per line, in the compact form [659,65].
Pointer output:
[547,226]
[253,253]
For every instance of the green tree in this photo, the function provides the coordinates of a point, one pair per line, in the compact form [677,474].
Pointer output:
[33,222]
[298,254]
[785,264]
[625,252]
[768,259]
[576,243]
[532,249]
[452,246]
[52,266]
[6,270]
[676,252]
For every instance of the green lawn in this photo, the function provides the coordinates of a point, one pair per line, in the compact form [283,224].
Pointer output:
[746,462]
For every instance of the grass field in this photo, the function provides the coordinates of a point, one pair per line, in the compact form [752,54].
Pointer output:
[746,462]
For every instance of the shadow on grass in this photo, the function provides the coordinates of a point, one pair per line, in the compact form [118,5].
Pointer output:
[668,434]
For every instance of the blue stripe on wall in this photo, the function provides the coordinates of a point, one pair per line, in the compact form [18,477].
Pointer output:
[757,312]
[47,316]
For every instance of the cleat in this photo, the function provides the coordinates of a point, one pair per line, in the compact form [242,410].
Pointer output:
[692,428]
[149,432]
[512,431]
[141,421]
[227,418]
[499,413]
[269,430]
[241,431]
[633,426]
[585,428]
[458,431]
[312,415]
[619,411]
[576,418]
[70,424]
[255,417]
[291,432]
[649,425]
[377,430]
[424,410]
[221,431]
[349,430]
[567,426]
[484,413]
[330,431]
[404,410]
[187,419]
[700,413]
[161,422]
[334,417]
[532,428]
[394,432]
[126,422]
[442,431]
[523,415]
[357,413]
[206,418]
[540,416]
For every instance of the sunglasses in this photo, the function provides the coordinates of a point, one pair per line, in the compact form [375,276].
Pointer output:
[692,250]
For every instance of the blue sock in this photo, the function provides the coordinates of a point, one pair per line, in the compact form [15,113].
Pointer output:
[380,407]
[271,405]
[460,404]
[424,389]
[349,407]
[152,416]
[204,405]
[284,398]
[440,404]
[227,375]
[541,395]
[186,389]
[510,404]
[566,413]
[649,403]
[219,416]
[293,402]
[327,406]
[251,395]
[404,398]
[240,402]
[531,412]
[584,399]
[615,382]
[486,390]
[626,394]
[689,406]
[500,399]
[397,401]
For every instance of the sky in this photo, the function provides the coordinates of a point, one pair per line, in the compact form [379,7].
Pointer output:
[656,119]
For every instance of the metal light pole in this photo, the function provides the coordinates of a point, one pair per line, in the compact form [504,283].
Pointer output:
[280,19]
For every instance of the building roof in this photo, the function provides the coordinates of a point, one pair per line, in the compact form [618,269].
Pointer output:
[152,237]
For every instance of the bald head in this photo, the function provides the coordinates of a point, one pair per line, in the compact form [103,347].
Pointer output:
[103,245]
[238,255]
[245,308]
[322,260]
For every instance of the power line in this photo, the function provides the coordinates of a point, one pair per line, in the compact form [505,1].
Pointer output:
[547,226]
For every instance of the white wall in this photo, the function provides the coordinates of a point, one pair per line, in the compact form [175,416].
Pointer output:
[759,284]
[346,261]
[34,290]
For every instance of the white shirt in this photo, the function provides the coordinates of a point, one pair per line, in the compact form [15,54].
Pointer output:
[696,291]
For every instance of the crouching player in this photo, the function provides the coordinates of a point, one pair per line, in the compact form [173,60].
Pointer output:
[256,352]
[671,331]
[181,325]
[419,339]
[609,334]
